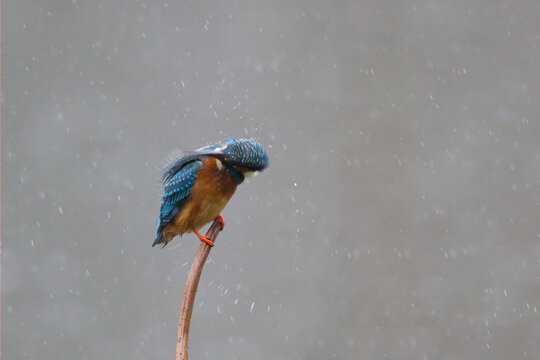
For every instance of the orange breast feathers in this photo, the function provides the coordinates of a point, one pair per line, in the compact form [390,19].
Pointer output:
[213,189]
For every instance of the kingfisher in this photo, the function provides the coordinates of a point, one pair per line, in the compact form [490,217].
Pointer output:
[198,185]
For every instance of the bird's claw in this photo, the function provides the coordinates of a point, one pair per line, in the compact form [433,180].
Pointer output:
[222,221]
[207,240]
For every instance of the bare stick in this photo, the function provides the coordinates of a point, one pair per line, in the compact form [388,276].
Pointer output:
[191,289]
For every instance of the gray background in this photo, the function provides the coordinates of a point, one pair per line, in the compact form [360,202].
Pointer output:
[399,218]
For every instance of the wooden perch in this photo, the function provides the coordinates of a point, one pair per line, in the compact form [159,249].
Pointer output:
[188,298]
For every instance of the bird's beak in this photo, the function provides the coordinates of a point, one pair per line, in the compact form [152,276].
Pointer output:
[218,152]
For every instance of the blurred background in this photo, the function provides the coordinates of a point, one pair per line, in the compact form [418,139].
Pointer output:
[399,217]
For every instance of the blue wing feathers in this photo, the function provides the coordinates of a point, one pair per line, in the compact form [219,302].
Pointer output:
[178,180]
[176,166]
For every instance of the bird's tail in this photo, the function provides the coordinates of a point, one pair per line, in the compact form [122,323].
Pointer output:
[159,239]
[159,233]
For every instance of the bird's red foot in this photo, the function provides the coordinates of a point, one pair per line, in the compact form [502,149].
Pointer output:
[222,221]
[205,239]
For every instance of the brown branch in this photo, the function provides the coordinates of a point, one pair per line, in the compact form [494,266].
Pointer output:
[191,289]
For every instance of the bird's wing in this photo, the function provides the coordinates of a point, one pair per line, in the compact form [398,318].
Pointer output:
[192,155]
[174,167]
[176,192]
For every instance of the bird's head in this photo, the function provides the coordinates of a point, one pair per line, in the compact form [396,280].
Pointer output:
[243,155]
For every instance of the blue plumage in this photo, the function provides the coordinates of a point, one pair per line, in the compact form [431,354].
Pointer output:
[245,153]
[177,189]
[237,158]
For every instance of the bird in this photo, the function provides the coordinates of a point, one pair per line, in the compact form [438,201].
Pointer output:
[197,186]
